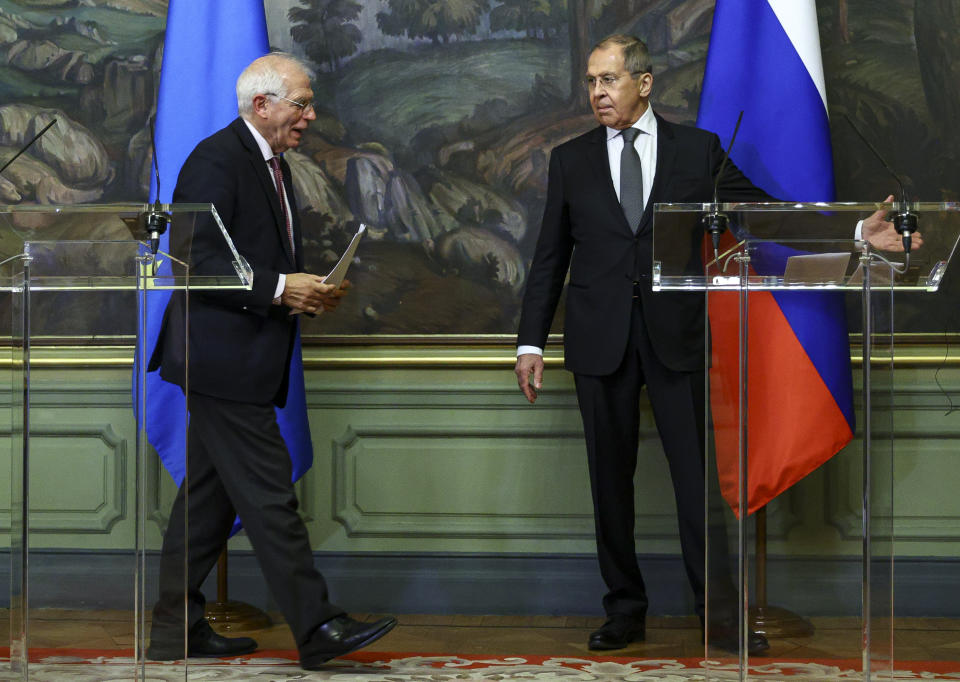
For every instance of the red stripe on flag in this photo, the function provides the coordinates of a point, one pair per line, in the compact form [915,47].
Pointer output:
[794,423]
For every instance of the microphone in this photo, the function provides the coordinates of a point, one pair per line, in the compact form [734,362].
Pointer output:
[904,221]
[27,145]
[715,223]
[156,219]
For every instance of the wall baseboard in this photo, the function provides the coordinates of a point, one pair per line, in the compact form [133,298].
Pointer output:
[509,584]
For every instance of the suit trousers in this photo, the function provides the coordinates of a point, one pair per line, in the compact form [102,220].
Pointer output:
[238,464]
[609,406]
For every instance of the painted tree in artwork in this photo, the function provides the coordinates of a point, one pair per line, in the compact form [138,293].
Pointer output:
[842,26]
[536,18]
[438,20]
[579,13]
[324,30]
[938,54]
[582,22]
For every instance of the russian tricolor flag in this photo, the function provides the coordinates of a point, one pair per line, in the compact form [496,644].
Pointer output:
[206,46]
[764,60]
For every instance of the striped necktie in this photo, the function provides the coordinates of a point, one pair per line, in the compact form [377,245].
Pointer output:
[278,180]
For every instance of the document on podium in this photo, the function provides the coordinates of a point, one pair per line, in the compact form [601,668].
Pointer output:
[818,268]
[339,272]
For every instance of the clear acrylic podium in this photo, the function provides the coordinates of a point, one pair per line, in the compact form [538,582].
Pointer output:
[81,283]
[800,257]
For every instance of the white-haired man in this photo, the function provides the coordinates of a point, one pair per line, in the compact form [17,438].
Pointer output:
[240,349]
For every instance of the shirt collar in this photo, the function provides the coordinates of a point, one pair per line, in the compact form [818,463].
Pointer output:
[647,123]
[261,142]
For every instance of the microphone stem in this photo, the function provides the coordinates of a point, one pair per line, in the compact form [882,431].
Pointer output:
[28,144]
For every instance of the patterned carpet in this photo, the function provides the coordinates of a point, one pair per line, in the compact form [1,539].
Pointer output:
[89,666]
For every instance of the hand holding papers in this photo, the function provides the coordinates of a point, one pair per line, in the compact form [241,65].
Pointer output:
[311,294]
[337,277]
[339,271]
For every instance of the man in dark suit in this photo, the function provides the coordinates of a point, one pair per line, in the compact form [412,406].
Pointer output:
[619,335]
[240,349]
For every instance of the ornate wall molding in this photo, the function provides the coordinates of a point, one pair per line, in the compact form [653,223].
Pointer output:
[551,516]
[90,459]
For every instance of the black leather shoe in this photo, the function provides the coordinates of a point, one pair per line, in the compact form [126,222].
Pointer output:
[618,632]
[726,636]
[203,642]
[340,636]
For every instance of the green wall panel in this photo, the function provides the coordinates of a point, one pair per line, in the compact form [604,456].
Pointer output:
[452,459]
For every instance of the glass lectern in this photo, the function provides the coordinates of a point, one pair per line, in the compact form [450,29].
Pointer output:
[780,402]
[83,290]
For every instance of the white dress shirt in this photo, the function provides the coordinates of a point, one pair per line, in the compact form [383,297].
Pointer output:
[267,155]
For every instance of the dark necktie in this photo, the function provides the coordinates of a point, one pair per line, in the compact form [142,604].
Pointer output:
[631,179]
[278,180]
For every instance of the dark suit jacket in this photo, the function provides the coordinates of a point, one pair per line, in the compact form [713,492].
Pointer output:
[240,343]
[584,229]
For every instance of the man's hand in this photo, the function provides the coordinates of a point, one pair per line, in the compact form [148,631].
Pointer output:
[881,233]
[332,299]
[527,364]
[306,293]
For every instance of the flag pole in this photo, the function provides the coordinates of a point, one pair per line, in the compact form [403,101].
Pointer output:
[772,621]
[233,616]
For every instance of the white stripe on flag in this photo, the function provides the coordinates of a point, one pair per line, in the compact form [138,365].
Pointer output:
[799,20]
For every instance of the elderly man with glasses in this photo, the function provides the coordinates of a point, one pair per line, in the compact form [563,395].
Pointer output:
[620,336]
[240,350]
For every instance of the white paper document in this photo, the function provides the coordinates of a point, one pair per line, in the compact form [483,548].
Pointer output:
[816,268]
[339,272]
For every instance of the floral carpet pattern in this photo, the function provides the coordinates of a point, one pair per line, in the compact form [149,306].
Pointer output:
[59,666]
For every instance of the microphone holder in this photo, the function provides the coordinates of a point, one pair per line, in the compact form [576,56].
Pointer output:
[905,222]
[156,222]
[715,224]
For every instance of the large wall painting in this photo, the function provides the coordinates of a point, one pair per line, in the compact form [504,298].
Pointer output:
[435,123]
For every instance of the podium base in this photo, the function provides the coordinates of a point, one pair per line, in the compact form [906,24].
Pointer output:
[775,622]
[236,616]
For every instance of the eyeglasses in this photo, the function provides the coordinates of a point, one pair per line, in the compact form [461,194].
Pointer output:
[607,81]
[304,107]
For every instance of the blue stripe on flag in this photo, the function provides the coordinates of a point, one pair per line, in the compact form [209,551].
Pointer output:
[783,146]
